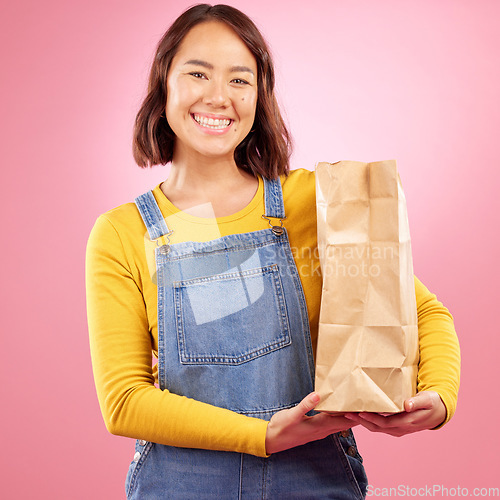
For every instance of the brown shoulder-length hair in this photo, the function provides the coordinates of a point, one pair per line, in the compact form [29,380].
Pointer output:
[265,150]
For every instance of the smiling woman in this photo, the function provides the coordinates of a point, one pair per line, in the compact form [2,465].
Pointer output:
[211,100]
[200,272]
[211,91]
[266,151]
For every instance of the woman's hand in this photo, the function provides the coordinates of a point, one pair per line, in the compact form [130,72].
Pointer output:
[292,427]
[423,411]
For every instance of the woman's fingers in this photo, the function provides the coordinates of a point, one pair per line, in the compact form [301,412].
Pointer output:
[423,400]
[379,420]
[292,427]
[306,405]
[423,411]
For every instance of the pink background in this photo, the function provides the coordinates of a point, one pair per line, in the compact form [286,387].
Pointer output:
[362,80]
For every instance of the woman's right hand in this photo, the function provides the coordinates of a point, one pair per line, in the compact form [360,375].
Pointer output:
[292,427]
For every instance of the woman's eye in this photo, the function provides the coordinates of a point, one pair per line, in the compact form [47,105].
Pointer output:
[239,81]
[197,74]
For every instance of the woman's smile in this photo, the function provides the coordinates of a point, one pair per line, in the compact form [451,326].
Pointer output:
[212,124]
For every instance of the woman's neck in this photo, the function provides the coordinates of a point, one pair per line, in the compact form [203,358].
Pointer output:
[218,182]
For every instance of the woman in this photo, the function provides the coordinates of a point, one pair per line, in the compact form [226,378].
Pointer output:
[214,272]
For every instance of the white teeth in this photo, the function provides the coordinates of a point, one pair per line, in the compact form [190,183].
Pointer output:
[214,123]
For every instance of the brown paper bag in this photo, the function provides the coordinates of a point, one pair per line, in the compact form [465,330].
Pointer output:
[367,354]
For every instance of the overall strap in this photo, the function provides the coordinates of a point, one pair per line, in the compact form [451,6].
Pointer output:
[273,199]
[151,215]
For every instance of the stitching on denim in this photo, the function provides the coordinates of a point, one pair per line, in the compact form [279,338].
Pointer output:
[194,253]
[273,199]
[179,324]
[347,466]
[265,474]
[138,467]
[142,203]
[257,271]
[264,411]
[303,305]
[159,224]
[152,216]
[240,494]
[157,227]
[161,334]
[237,359]
[352,441]
[252,353]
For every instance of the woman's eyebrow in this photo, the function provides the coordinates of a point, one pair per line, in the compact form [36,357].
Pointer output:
[199,62]
[238,69]
[205,64]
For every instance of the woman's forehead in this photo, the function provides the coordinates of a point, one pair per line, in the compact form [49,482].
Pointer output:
[216,43]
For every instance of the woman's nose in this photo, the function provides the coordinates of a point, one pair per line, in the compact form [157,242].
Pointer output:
[216,94]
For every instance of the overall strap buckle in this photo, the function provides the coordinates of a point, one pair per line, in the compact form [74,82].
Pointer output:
[277,230]
[164,247]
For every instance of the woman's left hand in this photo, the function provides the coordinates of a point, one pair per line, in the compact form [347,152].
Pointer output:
[426,410]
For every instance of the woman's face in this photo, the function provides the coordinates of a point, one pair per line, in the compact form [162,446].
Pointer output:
[211,93]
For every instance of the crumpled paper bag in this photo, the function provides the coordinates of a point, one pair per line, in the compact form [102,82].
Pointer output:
[367,353]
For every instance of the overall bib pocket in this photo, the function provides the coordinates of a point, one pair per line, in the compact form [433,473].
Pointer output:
[235,302]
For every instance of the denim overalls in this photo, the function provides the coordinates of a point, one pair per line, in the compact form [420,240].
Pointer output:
[233,331]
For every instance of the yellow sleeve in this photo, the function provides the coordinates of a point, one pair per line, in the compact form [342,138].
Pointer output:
[121,351]
[439,366]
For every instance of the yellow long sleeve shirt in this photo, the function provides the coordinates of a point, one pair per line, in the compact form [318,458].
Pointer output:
[122,317]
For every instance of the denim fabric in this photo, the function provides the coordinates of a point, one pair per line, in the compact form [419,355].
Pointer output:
[233,331]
